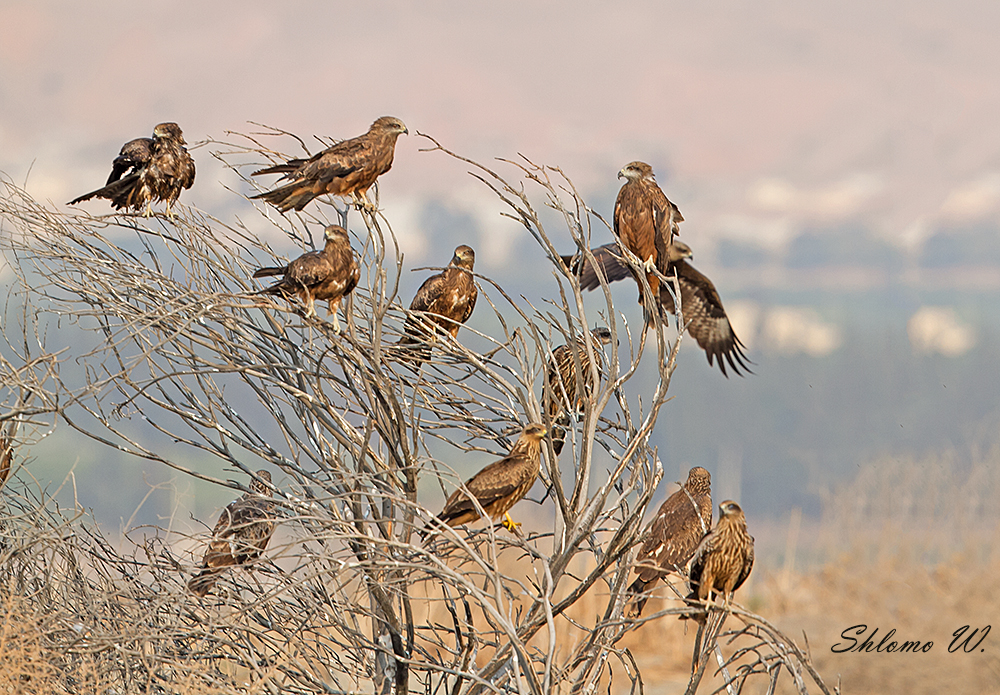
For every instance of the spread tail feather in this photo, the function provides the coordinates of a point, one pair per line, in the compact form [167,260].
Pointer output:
[201,584]
[284,168]
[291,196]
[638,600]
[558,439]
[270,271]
[111,191]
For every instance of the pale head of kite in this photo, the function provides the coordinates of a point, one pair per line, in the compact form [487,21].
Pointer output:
[729,509]
[390,124]
[464,257]
[679,251]
[602,335]
[636,171]
[335,232]
[261,484]
[169,131]
[534,432]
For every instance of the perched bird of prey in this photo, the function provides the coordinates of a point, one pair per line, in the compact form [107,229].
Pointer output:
[701,305]
[148,170]
[240,536]
[348,168]
[447,300]
[681,522]
[561,389]
[723,559]
[330,274]
[645,221]
[500,485]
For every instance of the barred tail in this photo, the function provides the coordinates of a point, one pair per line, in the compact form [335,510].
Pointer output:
[201,584]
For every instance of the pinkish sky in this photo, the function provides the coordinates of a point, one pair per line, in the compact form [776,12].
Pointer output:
[757,115]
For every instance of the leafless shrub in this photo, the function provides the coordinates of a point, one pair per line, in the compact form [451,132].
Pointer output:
[174,342]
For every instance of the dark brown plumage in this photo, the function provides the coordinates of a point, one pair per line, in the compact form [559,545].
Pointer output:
[329,274]
[134,155]
[158,169]
[645,220]
[681,522]
[240,536]
[500,485]
[701,305]
[723,559]
[447,300]
[562,385]
[348,168]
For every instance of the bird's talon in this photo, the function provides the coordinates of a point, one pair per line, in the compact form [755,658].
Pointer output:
[510,524]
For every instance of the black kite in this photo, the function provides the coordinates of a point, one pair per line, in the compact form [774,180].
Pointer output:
[723,559]
[681,522]
[240,536]
[701,306]
[645,220]
[500,485]
[6,457]
[148,170]
[562,384]
[446,300]
[330,274]
[348,168]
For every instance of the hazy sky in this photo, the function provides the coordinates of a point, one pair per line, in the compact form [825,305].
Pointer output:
[756,115]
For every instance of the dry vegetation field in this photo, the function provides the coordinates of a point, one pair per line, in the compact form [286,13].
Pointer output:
[909,545]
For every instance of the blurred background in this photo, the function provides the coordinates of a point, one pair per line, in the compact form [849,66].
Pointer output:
[838,165]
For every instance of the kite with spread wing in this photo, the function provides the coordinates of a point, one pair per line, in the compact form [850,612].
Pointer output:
[148,170]
[701,306]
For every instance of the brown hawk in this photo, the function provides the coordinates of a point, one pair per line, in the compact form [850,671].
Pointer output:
[500,485]
[240,536]
[148,170]
[447,300]
[348,168]
[701,305]
[329,274]
[723,559]
[645,221]
[674,534]
[561,383]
